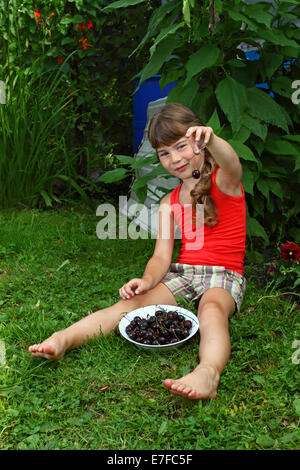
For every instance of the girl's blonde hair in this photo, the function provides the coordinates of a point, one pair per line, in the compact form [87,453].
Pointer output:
[169,125]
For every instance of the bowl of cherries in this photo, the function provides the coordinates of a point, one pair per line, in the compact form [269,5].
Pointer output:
[159,327]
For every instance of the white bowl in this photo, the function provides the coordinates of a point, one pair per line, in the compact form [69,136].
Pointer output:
[145,312]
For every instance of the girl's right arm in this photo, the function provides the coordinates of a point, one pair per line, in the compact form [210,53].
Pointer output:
[160,261]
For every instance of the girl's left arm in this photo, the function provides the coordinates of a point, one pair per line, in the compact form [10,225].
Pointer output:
[223,153]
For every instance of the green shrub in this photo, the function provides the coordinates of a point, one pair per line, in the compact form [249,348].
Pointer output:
[36,38]
[197,43]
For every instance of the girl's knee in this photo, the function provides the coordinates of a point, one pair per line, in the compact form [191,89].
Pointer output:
[212,312]
[217,302]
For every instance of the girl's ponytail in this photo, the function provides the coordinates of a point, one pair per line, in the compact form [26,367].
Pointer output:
[201,192]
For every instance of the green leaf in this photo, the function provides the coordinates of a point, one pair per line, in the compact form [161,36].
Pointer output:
[236,16]
[263,107]
[122,4]
[126,160]
[142,193]
[113,175]
[255,126]
[232,98]
[46,198]
[242,150]
[163,427]
[242,135]
[254,228]
[271,62]
[276,189]
[165,32]
[281,147]
[158,171]
[259,15]
[236,63]
[296,283]
[159,57]
[282,86]
[145,160]
[156,20]
[277,37]
[297,163]
[293,138]
[170,76]
[214,121]
[291,437]
[265,441]
[259,379]
[263,187]
[247,180]
[204,58]
[184,94]
[186,12]
[76,186]
[67,19]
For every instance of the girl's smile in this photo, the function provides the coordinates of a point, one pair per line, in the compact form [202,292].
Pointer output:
[182,168]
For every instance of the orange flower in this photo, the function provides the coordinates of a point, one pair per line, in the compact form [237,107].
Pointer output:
[37,14]
[84,43]
[50,16]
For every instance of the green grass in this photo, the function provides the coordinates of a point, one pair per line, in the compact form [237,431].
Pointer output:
[108,394]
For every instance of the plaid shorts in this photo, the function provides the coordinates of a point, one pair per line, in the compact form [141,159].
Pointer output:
[190,282]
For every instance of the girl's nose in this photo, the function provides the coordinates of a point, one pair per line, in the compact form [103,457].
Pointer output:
[175,157]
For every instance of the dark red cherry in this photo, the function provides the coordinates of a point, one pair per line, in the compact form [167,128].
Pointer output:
[196,174]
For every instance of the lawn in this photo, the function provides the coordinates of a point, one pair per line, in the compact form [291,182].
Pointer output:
[109,394]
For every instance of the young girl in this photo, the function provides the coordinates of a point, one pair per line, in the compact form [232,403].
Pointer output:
[211,173]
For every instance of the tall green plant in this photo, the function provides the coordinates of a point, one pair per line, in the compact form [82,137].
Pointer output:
[199,44]
[33,135]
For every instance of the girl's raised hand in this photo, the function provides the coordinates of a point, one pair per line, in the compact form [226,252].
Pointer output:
[201,134]
[134,287]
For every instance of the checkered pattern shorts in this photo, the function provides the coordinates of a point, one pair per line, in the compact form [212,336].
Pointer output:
[190,282]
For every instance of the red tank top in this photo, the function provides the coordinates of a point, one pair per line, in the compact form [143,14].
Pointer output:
[221,245]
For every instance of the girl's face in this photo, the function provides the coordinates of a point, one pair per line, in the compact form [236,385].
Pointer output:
[180,159]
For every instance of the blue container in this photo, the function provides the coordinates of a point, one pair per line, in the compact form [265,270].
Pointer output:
[148,91]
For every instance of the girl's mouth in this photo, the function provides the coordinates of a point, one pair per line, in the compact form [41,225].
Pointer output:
[182,168]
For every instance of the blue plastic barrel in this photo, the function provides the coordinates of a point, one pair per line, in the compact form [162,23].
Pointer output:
[148,91]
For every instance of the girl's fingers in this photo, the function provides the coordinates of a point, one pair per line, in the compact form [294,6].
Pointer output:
[200,131]
[129,289]
[207,135]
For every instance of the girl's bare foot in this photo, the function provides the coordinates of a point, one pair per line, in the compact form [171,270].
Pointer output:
[51,348]
[200,384]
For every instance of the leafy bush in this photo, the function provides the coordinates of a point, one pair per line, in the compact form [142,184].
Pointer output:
[91,48]
[198,44]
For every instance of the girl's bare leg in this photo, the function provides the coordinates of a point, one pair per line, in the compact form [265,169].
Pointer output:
[103,321]
[214,309]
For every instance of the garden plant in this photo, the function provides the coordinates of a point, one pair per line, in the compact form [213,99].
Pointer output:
[70,68]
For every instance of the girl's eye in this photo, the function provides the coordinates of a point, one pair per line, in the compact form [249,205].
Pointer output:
[163,154]
[181,147]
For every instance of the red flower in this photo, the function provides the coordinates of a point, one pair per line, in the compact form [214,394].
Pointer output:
[84,43]
[59,59]
[289,251]
[90,24]
[37,14]
[81,26]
